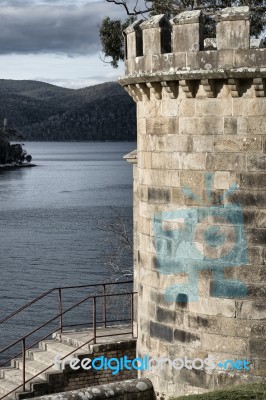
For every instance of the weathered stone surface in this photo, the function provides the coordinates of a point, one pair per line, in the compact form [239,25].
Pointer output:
[226,344]
[253,180]
[187,31]
[127,390]
[160,331]
[226,162]
[201,146]
[201,126]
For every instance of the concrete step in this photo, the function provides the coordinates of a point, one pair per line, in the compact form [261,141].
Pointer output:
[56,347]
[35,367]
[76,339]
[15,376]
[7,386]
[61,349]
[48,358]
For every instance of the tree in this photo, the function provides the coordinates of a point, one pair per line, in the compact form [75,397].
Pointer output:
[11,152]
[119,236]
[111,31]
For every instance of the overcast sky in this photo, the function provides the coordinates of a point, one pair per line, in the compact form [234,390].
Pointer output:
[55,41]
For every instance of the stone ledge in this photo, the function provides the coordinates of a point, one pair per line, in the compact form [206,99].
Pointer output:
[130,389]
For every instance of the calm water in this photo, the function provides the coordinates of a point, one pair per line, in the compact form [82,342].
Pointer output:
[48,217]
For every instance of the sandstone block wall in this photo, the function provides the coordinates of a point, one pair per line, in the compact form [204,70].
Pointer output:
[201,118]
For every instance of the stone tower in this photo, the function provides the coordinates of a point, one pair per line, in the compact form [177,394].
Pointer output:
[199,207]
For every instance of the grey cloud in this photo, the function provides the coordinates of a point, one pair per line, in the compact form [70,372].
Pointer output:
[65,29]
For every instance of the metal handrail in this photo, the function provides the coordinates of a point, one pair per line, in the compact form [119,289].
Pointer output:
[60,315]
[41,296]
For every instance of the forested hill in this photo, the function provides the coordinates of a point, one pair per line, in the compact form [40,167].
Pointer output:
[41,111]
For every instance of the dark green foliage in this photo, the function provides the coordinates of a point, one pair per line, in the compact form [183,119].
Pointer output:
[245,392]
[111,35]
[45,112]
[111,32]
[4,148]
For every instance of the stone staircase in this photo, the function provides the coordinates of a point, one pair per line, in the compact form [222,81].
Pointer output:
[38,360]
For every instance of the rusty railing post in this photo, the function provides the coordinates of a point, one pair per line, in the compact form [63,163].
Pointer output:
[132,314]
[24,363]
[104,305]
[94,319]
[60,309]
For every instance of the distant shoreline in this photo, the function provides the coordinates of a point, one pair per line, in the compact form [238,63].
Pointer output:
[4,167]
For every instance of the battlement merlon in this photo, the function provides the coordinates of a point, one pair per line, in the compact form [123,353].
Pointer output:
[159,50]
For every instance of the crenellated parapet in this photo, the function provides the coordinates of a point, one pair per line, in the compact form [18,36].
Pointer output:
[163,55]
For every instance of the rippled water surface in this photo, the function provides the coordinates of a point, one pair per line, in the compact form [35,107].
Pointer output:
[48,219]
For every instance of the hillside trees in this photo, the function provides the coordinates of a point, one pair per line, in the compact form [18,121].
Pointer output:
[111,31]
[11,152]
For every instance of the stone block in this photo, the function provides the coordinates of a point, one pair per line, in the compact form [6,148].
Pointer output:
[191,339]
[249,106]
[162,126]
[192,179]
[220,343]
[232,29]
[256,163]
[187,107]
[201,125]
[170,107]
[194,161]
[144,226]
[256,274]
[162,160]
[210,60]
[256,237]
[243,309]
[230,125]
[165,316]
[251,125]
[236,144]
[234,327]
[257,347]
[258,311]
[252,180]
[161,331]
[177,143]
[180,198]
[212,306]
[250,58]
[248,198]
[221,180]
[260,367]
[169,60]
[141,126]
[226,162]
[143,193]
[258,329]
[187,38]
[202,143]
[133,40]
[159,195]
[214,106]
[151,41]
[149,109]
[260,219]
[203,323]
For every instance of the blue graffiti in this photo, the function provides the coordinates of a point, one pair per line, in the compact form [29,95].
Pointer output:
[201,238]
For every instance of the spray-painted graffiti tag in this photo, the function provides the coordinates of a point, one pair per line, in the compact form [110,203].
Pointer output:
[192,239]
